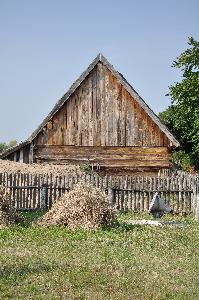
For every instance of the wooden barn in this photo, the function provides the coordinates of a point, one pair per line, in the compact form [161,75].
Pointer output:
[103,121]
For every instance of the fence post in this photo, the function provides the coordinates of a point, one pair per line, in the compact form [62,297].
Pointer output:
[44,197]
[111,196]
[196,202]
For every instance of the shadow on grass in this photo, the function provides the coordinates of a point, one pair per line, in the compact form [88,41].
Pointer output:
[21,271]
[29,217]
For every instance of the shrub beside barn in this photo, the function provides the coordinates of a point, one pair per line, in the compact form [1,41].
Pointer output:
[103,121]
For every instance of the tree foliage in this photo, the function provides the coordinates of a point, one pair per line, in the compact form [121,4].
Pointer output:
[4,146]
[182,117]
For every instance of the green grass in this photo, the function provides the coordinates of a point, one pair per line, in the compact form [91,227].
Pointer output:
[127,262]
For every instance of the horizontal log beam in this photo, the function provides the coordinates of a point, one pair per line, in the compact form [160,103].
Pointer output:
[110,162]
[64,150]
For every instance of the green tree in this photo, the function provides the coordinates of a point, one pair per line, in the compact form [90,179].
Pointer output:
[182,117]
[3,147]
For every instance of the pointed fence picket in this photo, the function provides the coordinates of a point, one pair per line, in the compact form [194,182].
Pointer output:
[127,193]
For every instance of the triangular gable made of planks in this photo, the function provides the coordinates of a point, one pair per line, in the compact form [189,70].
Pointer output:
[101,109]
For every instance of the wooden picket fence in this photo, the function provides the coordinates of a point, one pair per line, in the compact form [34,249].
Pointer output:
[35,192]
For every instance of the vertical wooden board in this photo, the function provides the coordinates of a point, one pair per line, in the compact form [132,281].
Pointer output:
[17,191]
[76,117]
[69,122]
[123,118]
[139,193]
[106,106]
[81,96]
[67,116]
[101,83]
[87,97]
[131,119]
[53,129]
[72,120]
[115,118]
[90,112]
[30,205]
[54,189]
[140,126]
[72,129]
[60,116]
[39,186]
[49,130]
[94,101]
[35,192]
[119,124]
[161,138]
[148,136]
[147,193]
[144,136]
[135,129]
[20,191]
[110,109]
[126,194]
[64,125]
[156,135]
[145,133]
[128,122]
[115,95]
[166,140]
[98,105]
[56,132]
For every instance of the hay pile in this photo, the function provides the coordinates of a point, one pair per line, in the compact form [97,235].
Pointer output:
[84,207]
[45,169]
[8,215]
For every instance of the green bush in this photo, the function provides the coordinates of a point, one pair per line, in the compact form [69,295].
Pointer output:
[85,168]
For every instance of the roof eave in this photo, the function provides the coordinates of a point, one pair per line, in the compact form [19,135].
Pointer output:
[14,149]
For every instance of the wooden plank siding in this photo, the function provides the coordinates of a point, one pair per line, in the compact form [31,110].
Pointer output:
[101,113]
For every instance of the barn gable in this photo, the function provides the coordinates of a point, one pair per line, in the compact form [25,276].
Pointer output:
[98,71]
[101,110]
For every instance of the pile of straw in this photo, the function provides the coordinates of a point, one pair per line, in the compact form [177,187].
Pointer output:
[8,215]
[84,207]
[42,169]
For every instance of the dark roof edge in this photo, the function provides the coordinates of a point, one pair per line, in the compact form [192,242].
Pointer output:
[13,149]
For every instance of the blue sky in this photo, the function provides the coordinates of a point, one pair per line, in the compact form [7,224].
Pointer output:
[45,46]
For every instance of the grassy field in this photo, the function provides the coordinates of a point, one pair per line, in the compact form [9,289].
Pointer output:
[128,262]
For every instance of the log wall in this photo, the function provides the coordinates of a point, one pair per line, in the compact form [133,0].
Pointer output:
[107,156]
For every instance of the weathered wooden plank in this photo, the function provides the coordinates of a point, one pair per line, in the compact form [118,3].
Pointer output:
[108,149]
